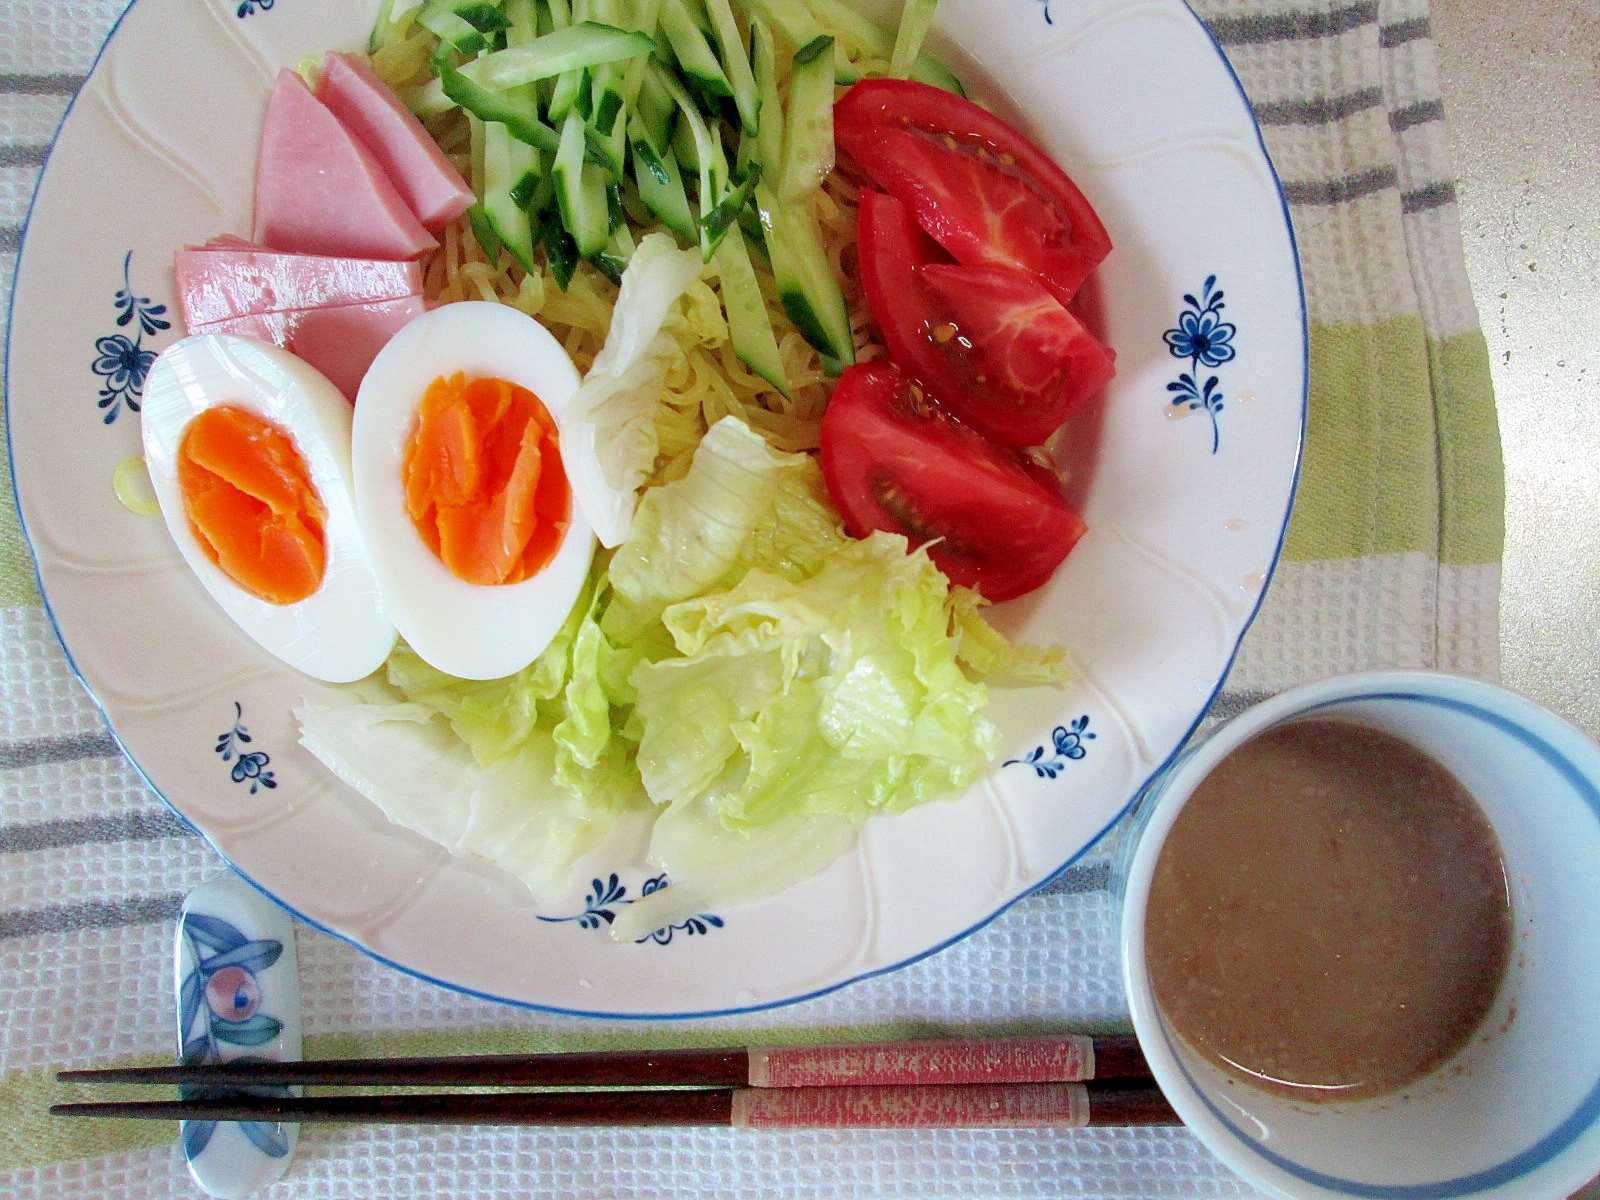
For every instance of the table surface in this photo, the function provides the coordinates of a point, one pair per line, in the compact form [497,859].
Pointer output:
[1521,89]
[1522,96]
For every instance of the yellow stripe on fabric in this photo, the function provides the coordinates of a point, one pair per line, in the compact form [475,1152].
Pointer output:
[1472,490]
[1369,479]
[18,586]
[30,1137]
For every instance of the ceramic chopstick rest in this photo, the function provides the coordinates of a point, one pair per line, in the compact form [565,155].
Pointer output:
[238,994]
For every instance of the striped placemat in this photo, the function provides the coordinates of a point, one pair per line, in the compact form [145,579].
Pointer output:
[1392,560]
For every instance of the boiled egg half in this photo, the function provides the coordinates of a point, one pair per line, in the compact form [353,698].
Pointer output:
[479,550]
[248,451]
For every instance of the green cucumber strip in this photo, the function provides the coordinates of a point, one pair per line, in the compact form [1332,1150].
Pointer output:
[608,123]
[391,13]
[661,189]
[483,230]
[507,162]
[697,13]
[808,132]
[581,190]
[755,241]
[564,96]
[855,26]
[708,156]
[934,73]
[916,18]
[522,22]
[749,325]
[560,251]
[794,20]
[735,63]
[465,26]
[690,48]
[764,64]
[807,288]
[654,110]
[518,111]
[535,190]
[585,44]
[715,224]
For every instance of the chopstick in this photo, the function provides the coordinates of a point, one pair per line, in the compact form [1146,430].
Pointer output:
[914,1106]
[1001,1060]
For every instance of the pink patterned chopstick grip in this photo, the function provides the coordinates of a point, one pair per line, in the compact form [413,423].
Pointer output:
[976,1106]
[1055,1059]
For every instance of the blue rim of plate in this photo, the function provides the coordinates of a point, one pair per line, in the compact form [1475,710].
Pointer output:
[1277,553]
[1583,1117]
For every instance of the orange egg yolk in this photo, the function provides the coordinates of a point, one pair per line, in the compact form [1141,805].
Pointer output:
[483,478]
[251,504]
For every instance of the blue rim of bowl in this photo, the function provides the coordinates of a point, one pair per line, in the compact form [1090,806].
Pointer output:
[1277,554]
[1583,1118]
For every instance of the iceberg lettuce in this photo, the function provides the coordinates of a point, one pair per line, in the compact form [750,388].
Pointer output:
[737,663]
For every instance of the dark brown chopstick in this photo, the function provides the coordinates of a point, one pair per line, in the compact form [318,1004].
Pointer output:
[969,1106]
[1034,1059]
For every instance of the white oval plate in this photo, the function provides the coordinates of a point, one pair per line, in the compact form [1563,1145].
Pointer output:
[1185,516]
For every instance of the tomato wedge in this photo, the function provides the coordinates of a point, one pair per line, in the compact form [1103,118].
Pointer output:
[990,342]
[984,192]
[894,462]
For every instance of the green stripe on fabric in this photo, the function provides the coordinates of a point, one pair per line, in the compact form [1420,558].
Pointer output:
[30,1137]
[18,586]
[1369,479]
[1472,490]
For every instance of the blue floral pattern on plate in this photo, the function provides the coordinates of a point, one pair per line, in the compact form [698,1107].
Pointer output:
[248,8]
[123,362]
[1068,742]
[249,766]
[1205,339]
[219,1004]
[606,896]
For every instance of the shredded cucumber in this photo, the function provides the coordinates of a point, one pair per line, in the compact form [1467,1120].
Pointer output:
[712,117]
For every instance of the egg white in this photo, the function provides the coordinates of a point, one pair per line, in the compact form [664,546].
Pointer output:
[340,632]
[471,631]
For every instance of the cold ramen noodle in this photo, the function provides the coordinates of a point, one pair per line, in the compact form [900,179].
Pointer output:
[1329,918]
[688,442]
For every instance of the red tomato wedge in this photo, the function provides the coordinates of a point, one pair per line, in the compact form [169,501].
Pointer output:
[983,191]
[894,462]
[991,343]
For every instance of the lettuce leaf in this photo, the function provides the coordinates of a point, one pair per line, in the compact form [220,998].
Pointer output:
[423,777]
[837,694]
[608,432]
[738,664]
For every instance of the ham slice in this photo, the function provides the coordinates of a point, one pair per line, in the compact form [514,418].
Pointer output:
[339,340]
[229,277]
[427,180]
[320,191]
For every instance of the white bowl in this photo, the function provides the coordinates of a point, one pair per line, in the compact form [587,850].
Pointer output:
[1517,1113]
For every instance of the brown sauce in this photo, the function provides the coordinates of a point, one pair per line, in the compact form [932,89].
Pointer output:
[1329,917]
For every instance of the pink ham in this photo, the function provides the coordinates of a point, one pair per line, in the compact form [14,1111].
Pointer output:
[229,277]
[419,170]
[320,191]
[339,340]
